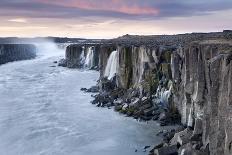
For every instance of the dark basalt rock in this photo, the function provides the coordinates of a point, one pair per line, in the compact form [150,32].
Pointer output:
[16,52]
[62,63]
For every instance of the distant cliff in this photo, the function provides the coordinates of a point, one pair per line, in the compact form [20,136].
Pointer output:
[82,56]
[15,52]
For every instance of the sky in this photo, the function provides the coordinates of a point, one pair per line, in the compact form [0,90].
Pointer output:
[112,18]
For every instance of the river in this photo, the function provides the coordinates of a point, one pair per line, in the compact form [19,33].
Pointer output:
[43,112]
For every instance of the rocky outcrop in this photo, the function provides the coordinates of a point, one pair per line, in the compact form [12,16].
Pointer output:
[82,55]
[15,52]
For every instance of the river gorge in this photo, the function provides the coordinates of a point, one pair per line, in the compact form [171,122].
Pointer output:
[43,111]
[172,94]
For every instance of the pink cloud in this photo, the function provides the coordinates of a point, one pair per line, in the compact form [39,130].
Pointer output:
[109,5]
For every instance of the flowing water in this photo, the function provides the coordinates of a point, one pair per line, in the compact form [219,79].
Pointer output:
[43,112]
[111,66]
[89,58]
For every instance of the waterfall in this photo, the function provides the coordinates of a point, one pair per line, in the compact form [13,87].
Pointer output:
[163,96]
[82,56]
[111,67]
[89,58]
[143,59]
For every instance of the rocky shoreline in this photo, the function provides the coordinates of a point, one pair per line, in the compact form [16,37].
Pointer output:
[181,79]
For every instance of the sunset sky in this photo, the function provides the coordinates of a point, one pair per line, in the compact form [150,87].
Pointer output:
[112,18]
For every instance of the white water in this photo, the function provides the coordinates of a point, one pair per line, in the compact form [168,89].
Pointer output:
[163,96]
[43,112]
[111,67]
[82,56]
[143,59]
[89,58]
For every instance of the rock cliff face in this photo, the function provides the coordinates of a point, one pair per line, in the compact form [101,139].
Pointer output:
[203,93]
[78,56]
[200,77]
[186,74]
[15,52]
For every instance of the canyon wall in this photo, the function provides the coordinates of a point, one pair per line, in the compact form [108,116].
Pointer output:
[15,52]
[82,55]
[190,74]
[203,92]
[200,76]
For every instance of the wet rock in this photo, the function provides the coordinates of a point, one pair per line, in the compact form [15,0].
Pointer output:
[125,106]
[167,150]
[188,149]
[198,130]
[84,89]
[107,85]
[62,63]
[163,116]
[146,147]
[16,52]
[135,103]
[118,107]
[93,89]
[159,145]
[182,137]
[149,111]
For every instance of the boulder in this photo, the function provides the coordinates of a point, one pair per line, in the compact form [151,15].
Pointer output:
[149,111]
[167,150]
[135,103]
[62,63]
[188,149]
[125,106]
[182,137]
[93,89]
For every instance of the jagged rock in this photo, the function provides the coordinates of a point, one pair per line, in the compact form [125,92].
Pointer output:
[118,102]
[118,107]
[135,103]
[125,106]
[84,89]
[107,85]
[182,137]
[149,111]
[93,89]
[167,150]
[188,149]
[163,116]
[62,63]
[198,130]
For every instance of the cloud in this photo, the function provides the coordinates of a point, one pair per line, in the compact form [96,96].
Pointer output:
[125,9]
[18,20]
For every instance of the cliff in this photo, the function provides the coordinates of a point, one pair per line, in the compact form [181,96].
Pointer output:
[186,78]
[82,55]
[15,52]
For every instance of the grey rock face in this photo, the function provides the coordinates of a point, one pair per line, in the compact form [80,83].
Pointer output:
[73,55]
[206,85]
[202,84]
[15,52]
[189,74]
